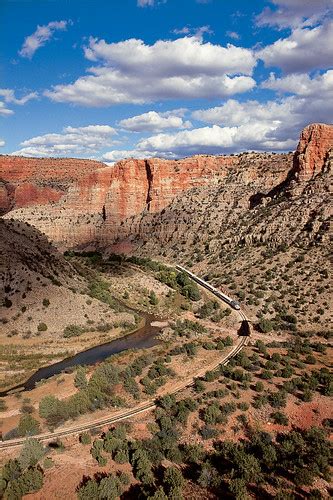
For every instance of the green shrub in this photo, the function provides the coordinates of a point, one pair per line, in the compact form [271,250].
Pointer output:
[28,425]
[73,331]
[85,438]
[153,298]
[265,325]
[279,418]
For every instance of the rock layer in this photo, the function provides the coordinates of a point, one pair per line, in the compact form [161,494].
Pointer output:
[313,148]
[77,202]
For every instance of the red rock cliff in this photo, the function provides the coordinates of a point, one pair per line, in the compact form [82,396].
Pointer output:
[315,142]
[78,201]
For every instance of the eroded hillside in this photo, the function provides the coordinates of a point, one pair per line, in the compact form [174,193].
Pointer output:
[45,303]
[262,233]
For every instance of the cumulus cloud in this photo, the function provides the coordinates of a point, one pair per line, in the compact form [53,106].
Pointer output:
[238,126]
[304,50]
[72,141]
[133,72]
[8,96]
[2,143]
[40,37]
[277,122]
[216,140]
[153,121]
[302,84]
[294,13]
[120,154]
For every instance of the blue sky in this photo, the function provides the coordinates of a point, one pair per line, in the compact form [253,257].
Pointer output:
[168,78]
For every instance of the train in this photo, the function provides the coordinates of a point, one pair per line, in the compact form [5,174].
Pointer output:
[232,303]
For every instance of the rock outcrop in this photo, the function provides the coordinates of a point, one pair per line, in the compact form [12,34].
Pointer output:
[77,202]
[313,148]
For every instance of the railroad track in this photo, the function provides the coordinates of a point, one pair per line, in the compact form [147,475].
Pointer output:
[144,407]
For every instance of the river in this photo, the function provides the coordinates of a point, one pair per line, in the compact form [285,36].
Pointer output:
[142,338]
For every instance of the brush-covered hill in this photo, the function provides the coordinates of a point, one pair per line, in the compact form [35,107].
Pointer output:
[48,309]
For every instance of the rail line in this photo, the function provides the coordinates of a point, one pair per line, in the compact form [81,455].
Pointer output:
[143,407]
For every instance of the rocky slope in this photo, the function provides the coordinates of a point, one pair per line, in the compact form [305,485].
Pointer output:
[42,295]
[263,237]
[77,202]
[27,257]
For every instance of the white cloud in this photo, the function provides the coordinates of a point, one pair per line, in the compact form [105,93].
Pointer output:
[40,37]
[279,121]
[233,34]
[4,111]
[112,156]
[238,126]
[149,3]
[304,50]
[302,85]
[72,141]
[145,3]
[235,113]
[186,30]
[2,143]
[294,13]
[8,96]
[184,56]
[216,140]
[133,72]
[197,32]
[153,121]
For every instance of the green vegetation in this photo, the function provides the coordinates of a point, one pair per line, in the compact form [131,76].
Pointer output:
[80,379]
[253,466]
[28,425]
[110,486]
[152,298]
[85,438]
[73,331]
[23,475]
[169,276]
[265,325]
[99,391]
[99,289]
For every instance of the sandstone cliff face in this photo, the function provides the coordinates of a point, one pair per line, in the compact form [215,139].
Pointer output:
[35,181]
[81,202]
[76,202]
[315,142]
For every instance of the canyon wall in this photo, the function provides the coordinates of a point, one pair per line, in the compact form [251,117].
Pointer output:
[77,202]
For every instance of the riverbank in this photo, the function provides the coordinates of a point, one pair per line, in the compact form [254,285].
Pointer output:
[141,337]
